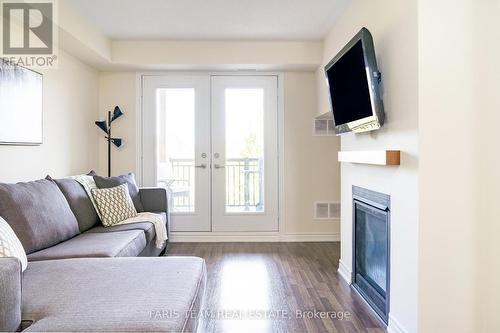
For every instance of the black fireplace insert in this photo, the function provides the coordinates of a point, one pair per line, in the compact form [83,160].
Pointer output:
[371,248]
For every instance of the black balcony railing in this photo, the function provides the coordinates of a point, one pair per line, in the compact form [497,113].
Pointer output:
[244,184]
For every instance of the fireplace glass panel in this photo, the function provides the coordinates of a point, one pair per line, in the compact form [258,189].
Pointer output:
[372,246]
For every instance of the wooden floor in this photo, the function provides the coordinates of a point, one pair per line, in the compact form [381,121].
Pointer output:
[277,287]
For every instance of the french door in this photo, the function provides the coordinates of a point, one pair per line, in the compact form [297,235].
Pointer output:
[176,146]
[211,140]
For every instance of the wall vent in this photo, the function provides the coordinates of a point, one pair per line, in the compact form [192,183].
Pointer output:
[326,210]
[323,127]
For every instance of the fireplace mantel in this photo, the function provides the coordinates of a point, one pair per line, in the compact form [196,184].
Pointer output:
[375,157]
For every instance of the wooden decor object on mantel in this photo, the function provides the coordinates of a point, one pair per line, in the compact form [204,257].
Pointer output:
[376,157]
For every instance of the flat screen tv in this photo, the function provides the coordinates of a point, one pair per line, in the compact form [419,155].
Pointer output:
[353,83]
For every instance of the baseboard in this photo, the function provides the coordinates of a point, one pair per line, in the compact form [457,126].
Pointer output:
[311,237]
[394,326]
[345,272]
[208,237]
[211,237]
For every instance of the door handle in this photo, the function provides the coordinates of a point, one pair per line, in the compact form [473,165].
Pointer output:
[202,166]
[218,166]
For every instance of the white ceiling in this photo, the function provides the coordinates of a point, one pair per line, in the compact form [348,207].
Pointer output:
[212,19]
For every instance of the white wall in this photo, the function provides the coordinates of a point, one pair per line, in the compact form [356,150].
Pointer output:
[69,137]
[311,170]
[488,192]
[393,25]
[119,89]
[81,38]
[448,111]
[459,182]
[220,55]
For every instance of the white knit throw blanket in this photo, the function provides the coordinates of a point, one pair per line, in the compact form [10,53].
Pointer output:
[158,220]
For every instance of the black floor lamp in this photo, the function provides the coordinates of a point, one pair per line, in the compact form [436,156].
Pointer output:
[106,127]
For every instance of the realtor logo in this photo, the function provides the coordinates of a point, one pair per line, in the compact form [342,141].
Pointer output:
[28,32]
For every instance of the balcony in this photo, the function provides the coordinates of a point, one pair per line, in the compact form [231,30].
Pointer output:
[244,185]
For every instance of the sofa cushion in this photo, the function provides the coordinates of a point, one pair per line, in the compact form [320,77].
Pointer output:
[38,213]
[79,202]
[123,294]
[151,250]
[147,227]
[116,244]
[107,182]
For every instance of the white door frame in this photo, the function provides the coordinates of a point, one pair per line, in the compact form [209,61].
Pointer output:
[223,236]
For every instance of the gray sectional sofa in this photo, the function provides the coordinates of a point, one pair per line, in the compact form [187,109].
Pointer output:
[84,277]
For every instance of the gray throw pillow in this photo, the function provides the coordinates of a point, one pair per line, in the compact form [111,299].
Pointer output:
[133,190]
[38,213]
[79,202]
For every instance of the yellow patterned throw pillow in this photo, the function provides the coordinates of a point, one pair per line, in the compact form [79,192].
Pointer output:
[115,204]
[10,246]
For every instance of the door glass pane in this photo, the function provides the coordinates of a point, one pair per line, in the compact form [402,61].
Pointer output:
[244,150]
[176,146]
